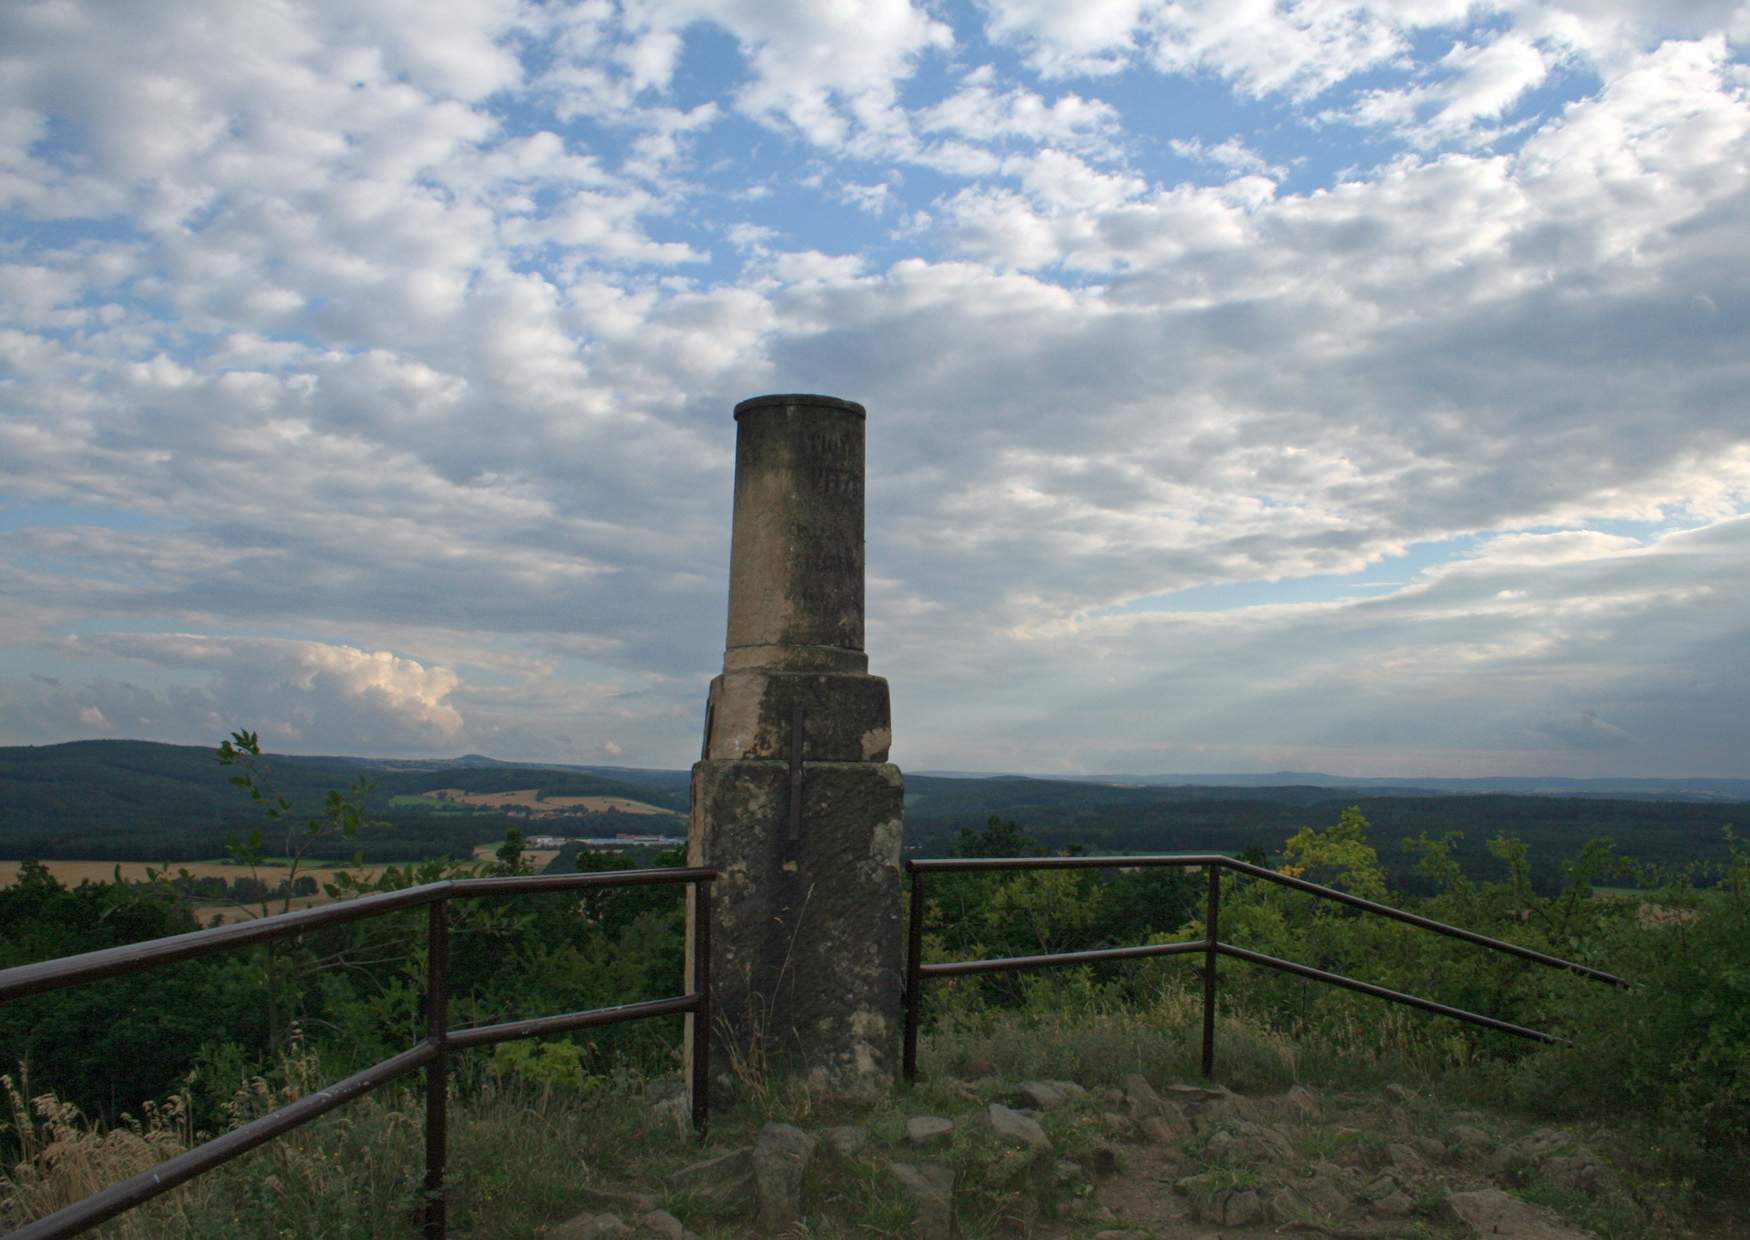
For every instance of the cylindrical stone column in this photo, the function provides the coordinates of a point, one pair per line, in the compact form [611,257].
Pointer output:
[805,947]
[796,553]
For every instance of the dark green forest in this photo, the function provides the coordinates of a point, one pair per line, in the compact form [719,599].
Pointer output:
[1667,907]
[135,800]
[142,801]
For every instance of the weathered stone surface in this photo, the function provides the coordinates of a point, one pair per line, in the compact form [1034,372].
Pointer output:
[796,552]
[1579,1171]
[1470,1140]
[590,1227]
[928,1129]
[1015,1128]
[780,1158]
[1491,1212]
[1243,1142]
[931,1190]
[615,1201]
[1317,1200]
[1242,1209]
[1043,1095]
[674,1113]
[805,969]
[1165,1128]
[724,1183]
[847,1140]
[1301,1101]
[664,1225]
[1141,1096]
[805,945]
[1402,1157]
[845,716]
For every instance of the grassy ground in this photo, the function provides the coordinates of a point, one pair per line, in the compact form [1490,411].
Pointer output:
[524,1158]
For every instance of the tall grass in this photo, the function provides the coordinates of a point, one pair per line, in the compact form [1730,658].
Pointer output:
[523,1155]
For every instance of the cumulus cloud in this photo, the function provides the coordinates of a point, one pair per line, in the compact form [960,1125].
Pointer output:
[412,344]
[300,694]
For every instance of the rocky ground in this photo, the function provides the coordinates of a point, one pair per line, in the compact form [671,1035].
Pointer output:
[1053,1160]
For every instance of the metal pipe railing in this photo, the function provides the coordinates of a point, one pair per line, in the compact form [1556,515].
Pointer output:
[1210,944]
[431,1055]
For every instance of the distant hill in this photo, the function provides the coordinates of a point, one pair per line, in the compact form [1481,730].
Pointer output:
[148,801]
[1699,788]
[143,800]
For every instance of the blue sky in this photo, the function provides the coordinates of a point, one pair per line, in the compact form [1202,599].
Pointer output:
[1352,385]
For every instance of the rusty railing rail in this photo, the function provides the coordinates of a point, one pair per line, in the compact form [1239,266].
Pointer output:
[1210,946]
[431,1054]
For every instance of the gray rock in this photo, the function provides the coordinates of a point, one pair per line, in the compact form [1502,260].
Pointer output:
[1249,1144]
[1428,1147]
[672,1114]
[1230,1108]
[1042,1095]
[613,1202]
[1325,1195]
[1141,1096]
[1542,1142]
[590,1227]
[1579,1172]
[1242,1209]
[959,1089]
[664,1225]
[847,1140]
[724,1184]
[1015,1128]
[1197,1093]
[1166,1128]
[1491,1212]
[1394,1205]
[780,1157]
[1470,1141]
[1199,1185]
[1402,1157]
[931,1191]
[928,1130]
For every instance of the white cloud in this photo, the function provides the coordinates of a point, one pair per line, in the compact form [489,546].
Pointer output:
[1472,86]
[1232,154]
[298,694]
[381,347]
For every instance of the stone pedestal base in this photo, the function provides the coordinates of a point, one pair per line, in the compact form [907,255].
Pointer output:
[805,969]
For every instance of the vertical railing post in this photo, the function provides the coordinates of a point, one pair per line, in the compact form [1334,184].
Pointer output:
[701,1075]
[437,1030]
[1211,920]
[914,975]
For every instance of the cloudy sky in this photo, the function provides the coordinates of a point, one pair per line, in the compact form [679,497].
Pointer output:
[1354,385]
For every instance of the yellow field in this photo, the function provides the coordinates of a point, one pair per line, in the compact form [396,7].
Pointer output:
[72,873]
[528,798]
[536,857]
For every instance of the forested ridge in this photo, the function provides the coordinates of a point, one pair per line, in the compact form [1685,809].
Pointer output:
[137,800]
[1676,1049]
[144,801]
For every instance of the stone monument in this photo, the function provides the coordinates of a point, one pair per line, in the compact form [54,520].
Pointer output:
[793,799]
